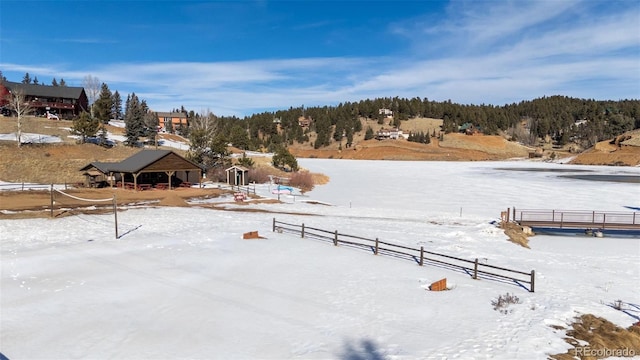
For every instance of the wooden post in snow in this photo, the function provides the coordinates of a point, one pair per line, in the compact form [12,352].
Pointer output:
[475,270]
[533,281]
[115,214]
[52,202]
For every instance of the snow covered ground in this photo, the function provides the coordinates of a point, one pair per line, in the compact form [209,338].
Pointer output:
[183,284]
[111,137]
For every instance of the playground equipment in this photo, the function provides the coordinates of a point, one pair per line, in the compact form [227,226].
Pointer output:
[281,189]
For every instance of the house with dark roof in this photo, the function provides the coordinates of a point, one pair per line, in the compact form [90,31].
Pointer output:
[66,101]
[171,120]
[161,169]
[469,129]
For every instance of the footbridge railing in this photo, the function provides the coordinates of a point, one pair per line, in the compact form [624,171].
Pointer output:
[577,218]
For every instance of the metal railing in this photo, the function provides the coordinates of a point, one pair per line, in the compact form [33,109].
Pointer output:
[573,218]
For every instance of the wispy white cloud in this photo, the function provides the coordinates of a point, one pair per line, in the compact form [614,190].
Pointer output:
[488,52]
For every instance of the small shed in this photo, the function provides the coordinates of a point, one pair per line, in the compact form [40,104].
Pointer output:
[237,175]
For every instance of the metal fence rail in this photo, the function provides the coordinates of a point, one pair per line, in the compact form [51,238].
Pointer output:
[576,218]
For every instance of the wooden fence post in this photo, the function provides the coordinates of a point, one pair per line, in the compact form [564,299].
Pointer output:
[376,251]
[421,255]
[508,213]
[475,270]
[335,239]
[273,228]
[302,234]
[115,215]
[533,281]
[52,202]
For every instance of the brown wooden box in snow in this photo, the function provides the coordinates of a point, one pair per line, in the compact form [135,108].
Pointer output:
[251,235]
[439,285]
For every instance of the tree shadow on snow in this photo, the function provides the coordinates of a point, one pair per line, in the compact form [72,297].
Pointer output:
[365,350]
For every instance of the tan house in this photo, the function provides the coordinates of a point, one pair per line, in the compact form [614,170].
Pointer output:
[304,121]
[176,119]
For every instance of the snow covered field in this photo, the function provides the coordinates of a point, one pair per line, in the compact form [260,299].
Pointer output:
[185,285]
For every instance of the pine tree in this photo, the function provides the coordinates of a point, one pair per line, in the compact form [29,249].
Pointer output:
[35,81]
[26,79]
[133,120]
[116,111]
[103,105]
[282,157]
[368,135]
[85,126]
[2,77]
[62,82]
[54,82]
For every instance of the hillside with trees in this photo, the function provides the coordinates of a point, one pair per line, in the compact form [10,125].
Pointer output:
[557,120]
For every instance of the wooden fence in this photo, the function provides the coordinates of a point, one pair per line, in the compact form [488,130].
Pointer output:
[247,189]
[474,268]
[30,186]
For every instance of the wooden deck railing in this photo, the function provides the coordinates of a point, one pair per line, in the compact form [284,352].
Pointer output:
[474,268]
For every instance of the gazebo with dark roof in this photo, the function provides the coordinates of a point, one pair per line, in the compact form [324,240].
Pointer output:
[147,168]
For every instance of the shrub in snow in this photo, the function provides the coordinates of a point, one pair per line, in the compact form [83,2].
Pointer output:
[503,301]
[302,180]
[258,175]
[618,304]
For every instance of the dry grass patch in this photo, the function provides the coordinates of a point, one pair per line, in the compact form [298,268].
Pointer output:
[516,234]
[54,163]
[602,336]
[30,203]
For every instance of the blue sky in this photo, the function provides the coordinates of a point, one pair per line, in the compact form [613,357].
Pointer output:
[244,57]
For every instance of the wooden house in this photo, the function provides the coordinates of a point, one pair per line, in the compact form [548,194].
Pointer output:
[65,101]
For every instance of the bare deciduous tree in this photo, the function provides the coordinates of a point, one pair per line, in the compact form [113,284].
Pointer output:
[207,122]
[16,101]
[91,85]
